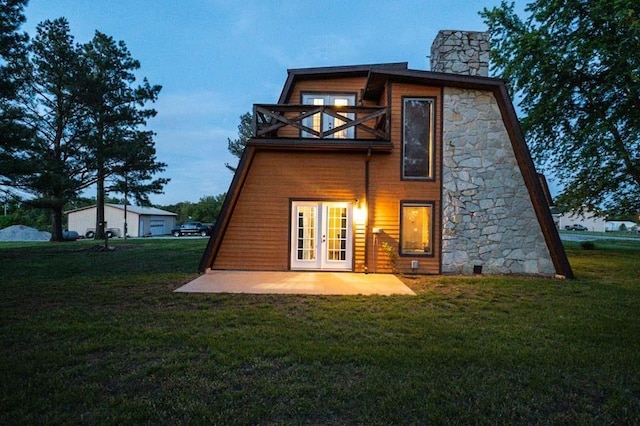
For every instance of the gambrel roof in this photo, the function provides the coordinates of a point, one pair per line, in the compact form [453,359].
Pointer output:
[377,77]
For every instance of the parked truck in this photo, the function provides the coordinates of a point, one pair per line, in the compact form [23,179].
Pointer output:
[191,228]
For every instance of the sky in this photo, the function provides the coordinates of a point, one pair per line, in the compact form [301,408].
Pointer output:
[216,58]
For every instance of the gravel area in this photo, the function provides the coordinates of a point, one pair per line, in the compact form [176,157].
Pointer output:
[23,233]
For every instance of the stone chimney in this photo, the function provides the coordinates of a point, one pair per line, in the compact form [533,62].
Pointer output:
[461,52]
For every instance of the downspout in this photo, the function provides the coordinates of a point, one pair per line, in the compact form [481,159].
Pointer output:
[366,221]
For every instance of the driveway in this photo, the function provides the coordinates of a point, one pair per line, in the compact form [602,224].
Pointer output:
[290,282]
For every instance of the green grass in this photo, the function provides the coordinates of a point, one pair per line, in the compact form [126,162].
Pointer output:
[100,338]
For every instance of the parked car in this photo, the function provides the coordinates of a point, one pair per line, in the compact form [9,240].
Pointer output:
[575,227]
[191,228]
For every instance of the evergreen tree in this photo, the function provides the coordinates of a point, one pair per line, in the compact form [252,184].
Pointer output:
[133,175]
[81,122]
[12,48]
[12,61]
[245,132]
[116,109]
[51,162]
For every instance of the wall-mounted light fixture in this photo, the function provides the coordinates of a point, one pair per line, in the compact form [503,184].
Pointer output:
[359,212]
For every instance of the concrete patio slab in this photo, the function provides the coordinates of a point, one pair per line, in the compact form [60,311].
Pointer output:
[290,282]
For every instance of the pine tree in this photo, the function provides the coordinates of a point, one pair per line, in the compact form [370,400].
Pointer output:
[50,160]
[245,132]
[118,117]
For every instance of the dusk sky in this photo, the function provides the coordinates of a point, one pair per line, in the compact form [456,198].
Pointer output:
[216,58]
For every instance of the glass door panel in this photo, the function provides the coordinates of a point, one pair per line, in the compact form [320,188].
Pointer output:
[306,235]
[346,133]
[327,122]
[321,236]
[336,234]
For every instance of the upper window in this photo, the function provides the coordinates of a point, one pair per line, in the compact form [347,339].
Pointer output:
[416,228]
[323,123]
[417,138]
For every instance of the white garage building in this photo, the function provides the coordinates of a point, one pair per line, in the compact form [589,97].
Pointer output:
[589,220]
[141,221]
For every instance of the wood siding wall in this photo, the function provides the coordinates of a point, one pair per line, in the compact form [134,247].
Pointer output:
[258,235]
[387,189]
[259,232]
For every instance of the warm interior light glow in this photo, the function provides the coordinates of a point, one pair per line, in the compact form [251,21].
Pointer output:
[360,213]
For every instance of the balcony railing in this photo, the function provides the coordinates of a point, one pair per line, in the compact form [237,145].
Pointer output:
[313,121]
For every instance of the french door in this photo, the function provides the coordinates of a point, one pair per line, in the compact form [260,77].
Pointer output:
[326,122]
[321,236]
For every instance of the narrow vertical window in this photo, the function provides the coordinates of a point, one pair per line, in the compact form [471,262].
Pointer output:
[416,228]
[417,138]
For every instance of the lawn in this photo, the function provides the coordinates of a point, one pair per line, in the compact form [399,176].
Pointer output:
[94,337]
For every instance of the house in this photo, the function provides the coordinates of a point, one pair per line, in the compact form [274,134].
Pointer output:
[381,168]
[141,221]
[620,226]
[589,220]
[593,222]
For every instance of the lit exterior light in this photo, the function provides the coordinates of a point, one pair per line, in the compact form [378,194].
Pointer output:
[360,213]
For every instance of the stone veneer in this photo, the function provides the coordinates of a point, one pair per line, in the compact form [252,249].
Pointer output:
[488,217]
[461,52]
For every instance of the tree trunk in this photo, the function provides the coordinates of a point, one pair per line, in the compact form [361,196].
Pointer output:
[126,194]
[56,224]
[100,228]
[125,219]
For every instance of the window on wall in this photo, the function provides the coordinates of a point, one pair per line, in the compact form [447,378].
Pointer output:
[325,122]
[416,228]
[417,138]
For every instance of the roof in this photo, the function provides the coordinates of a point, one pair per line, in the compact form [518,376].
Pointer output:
[377,77]
[346,71]
[146,211]
[378,74]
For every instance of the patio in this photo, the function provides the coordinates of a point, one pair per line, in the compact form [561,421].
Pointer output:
[291,282]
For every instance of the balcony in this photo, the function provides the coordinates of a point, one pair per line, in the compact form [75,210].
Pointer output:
[326,122]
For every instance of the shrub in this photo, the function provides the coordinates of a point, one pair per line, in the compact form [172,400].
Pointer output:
[392,254]
[588,245]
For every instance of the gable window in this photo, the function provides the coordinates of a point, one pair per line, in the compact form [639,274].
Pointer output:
[417,138]
[416,228]
[322,123]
